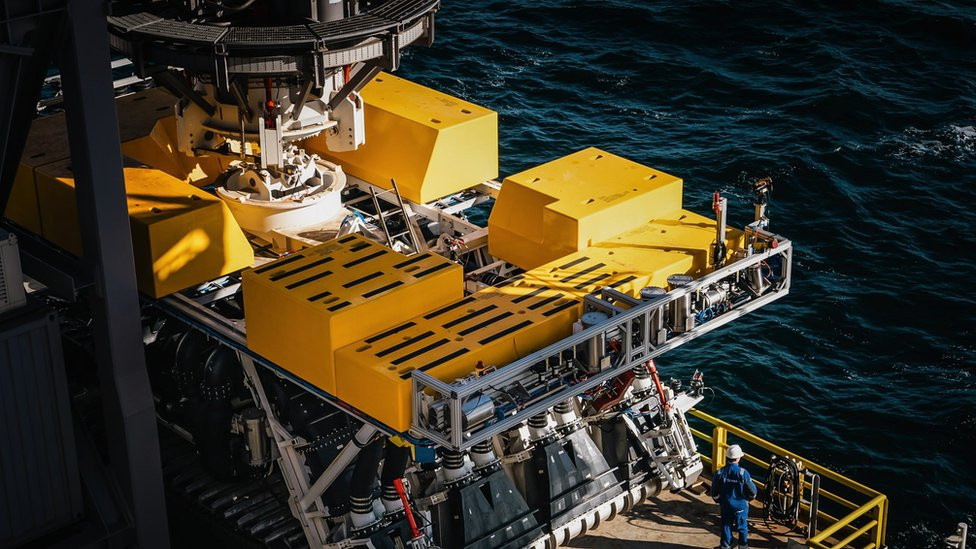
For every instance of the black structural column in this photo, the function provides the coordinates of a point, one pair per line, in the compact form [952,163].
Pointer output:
[96,156]
[25,53]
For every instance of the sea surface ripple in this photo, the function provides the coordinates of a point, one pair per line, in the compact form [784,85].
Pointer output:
[864,114]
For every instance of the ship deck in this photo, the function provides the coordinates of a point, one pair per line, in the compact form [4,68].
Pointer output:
[688,519]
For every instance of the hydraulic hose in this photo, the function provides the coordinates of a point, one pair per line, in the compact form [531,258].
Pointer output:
[221,374]
[364,477]
[394,465]
[782,497]
[304,413]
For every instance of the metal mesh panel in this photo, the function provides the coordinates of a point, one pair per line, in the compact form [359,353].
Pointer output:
[262,36]
[180,32]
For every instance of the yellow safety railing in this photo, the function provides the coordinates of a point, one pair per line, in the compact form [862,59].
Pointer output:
[864,523]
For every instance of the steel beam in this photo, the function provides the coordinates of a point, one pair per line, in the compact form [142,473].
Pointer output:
[93,135]
[338,465]
[355,83]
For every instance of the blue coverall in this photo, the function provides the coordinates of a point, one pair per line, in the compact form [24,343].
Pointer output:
[733,488]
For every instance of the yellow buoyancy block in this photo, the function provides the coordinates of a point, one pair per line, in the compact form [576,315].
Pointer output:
[566,205]
[433,144]
[181,235]
[302,308]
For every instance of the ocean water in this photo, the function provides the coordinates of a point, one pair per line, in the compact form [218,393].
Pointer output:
[864,115]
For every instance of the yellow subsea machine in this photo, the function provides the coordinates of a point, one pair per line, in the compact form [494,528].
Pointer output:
[356,362]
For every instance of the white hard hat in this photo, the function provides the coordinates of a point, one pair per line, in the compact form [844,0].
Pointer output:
[734,452]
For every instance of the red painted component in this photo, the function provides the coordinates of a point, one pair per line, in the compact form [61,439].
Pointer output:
[269,104]
[616,392]
[414,531]
[657,381]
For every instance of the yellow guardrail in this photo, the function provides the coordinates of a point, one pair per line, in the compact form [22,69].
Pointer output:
[865,511]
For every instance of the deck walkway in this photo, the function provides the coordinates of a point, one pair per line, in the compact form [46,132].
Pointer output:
[682,520]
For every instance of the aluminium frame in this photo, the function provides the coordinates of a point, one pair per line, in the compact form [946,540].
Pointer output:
[459,392]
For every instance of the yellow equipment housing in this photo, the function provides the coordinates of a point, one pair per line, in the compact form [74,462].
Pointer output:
[566,205]
[433,144]
[491,327]
[47,142]
[181,235]
[147,126]
[302,308]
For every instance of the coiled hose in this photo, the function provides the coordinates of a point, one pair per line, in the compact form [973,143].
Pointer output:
[782,495]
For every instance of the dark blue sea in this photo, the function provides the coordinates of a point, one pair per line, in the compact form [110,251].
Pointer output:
[864,115]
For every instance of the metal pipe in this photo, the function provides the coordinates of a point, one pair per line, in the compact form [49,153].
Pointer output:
[402,494]
[814,505]
[330,10]
[258,445]
[720,206]
[680,310]
[596,348]
[856,534]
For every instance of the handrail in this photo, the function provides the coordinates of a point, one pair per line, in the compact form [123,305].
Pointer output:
[876,507]
[741,433]
[877,502]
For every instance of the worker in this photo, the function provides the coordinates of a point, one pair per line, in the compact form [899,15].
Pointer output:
[733,489]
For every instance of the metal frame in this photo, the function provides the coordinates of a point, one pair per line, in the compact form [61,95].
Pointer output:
[231,333]
[305,501]
[459,392]
[313,49]
[470,237]
[108,264]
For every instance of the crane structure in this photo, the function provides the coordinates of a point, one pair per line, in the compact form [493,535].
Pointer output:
[268,244]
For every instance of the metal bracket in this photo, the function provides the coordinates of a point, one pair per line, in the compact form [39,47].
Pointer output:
[181,88]
[355,83]
[299,104]
[221,71]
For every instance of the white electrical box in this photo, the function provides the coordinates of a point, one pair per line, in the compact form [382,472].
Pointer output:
[12,293]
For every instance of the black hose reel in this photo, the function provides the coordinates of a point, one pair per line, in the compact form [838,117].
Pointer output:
[782,494]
